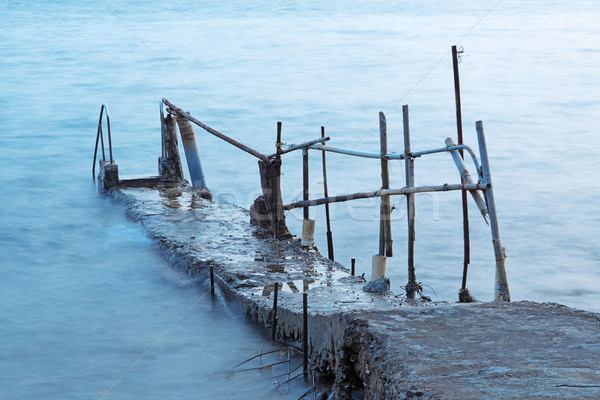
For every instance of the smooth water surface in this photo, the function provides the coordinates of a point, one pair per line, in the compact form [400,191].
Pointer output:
[86,296]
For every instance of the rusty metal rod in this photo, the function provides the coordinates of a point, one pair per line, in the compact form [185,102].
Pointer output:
[465,205]
[389,192]
[353,266]
[274,321]
[501,291]
[410,203]
[212,281]
[305,180]
[326,194]
[300,146]
[218,134]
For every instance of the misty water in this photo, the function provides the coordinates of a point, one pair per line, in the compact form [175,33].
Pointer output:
[89,309]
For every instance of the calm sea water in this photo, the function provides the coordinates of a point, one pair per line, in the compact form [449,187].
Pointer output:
[85,294]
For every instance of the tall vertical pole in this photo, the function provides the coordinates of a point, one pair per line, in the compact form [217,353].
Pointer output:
[467,244]
[305,180]
[305,332]
[326,194]
[410,205]
[501,291]
[385,231]
[276,201]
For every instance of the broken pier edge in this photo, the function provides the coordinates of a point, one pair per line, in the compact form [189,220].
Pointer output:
[367,345]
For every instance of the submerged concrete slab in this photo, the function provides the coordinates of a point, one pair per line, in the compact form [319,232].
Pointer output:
[375,346]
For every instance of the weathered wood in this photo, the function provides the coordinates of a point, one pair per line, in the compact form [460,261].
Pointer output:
[501,290]
[465,205]
[385,229]
[410,205]
[465,178]
[326,194]
[170,164]
[388,192]
[270,178]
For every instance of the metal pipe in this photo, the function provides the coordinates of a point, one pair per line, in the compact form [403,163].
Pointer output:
[396,156]
[326,194]
[353,266]
[465,177]
[410,204]
[218,134]
[354,152]
[188,140]
[300,146]
[389,192]
[501,291]
[450,148]
[100,136]
[212,281]
[274,321]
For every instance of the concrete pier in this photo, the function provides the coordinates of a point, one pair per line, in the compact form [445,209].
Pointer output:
[374,346]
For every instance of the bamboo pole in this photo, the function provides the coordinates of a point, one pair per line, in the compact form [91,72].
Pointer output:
[465,206]
[501,291]
[385,230]
[326,194]
[410,205]
[388,192]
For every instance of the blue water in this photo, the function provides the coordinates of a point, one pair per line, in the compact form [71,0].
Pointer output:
[84,293]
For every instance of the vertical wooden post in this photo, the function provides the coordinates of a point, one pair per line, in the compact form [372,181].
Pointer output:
[326,194]
[501,291]
[270,181]
[170,163]
[274,321]
[410,204]
[465,207]
[385,230]
[305,332]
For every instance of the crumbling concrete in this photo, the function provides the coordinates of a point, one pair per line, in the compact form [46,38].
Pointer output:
[374,346]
